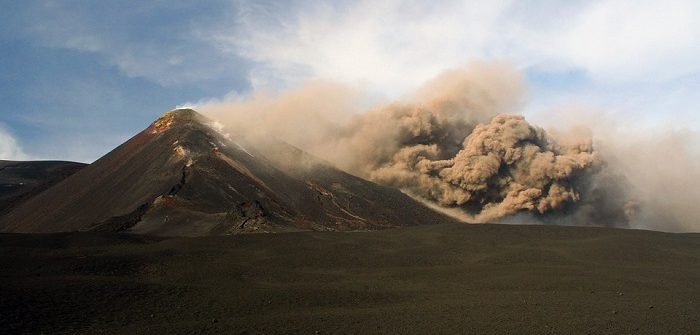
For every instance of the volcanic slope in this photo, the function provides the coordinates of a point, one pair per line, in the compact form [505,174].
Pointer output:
[181,177]
[20,181]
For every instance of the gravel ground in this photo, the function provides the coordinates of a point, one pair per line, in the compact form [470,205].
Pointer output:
[440,279]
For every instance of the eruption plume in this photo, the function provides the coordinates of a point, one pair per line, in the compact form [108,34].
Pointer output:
[504,167]
[455,145]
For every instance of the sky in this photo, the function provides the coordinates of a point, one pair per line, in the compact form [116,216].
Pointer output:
[77,78]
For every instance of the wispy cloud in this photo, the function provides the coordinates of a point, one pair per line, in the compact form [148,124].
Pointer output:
[395,45]
[390,46]
[159,41]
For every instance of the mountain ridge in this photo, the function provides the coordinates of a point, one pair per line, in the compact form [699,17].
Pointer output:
[182,177]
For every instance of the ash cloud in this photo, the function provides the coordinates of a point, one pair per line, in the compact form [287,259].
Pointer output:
[459,146]
[505,166]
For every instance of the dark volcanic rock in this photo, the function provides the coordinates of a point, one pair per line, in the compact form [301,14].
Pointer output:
[181,177]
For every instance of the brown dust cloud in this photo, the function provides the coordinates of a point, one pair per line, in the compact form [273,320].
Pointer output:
[459,145]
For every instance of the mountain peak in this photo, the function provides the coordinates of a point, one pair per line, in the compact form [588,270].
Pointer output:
[173,117]
[181,177]
[183,112]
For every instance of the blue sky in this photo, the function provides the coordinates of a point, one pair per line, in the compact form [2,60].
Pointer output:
[79,77]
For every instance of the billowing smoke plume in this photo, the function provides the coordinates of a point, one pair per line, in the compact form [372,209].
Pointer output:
[455,145]
[504,167]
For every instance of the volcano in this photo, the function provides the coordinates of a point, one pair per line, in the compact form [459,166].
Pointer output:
[182,177]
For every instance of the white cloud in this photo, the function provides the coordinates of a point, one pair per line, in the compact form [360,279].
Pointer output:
[9,148]
[392,46]
[388,46]
[634,40]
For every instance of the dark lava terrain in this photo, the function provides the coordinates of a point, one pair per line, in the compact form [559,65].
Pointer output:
[436,279]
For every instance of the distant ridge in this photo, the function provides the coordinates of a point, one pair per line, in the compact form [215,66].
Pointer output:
[22,180]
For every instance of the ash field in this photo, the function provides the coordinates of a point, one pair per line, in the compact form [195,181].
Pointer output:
[436,279]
